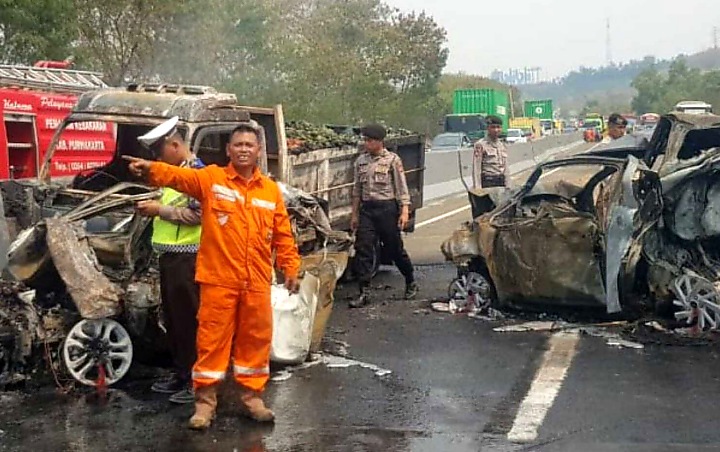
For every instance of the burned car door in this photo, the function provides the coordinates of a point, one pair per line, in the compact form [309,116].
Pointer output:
[635,204]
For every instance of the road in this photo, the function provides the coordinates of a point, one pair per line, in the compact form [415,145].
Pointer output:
[454,384]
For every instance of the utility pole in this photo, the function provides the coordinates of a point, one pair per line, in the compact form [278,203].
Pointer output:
[608,48]
[715,38]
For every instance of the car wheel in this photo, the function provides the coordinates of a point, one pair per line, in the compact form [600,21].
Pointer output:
[97,352]
[471,283]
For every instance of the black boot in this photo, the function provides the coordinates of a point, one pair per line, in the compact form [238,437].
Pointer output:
[411,290]
[362,299]
[171,385]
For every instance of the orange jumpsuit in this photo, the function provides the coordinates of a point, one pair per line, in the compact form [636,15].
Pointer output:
[243,222]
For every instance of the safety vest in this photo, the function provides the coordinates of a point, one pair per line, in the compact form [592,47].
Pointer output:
[169,237]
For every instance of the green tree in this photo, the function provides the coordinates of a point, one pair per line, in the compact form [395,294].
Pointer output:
[32,30]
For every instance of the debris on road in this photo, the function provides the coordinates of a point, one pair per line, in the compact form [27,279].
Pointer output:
[329,361]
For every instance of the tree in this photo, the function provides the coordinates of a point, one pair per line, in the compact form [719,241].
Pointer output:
[32,30]
[117,37]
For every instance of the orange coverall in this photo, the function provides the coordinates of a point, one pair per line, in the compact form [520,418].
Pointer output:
[243,222]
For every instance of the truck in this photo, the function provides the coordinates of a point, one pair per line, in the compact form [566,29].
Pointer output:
[207,117]
[530,126]
[472,106]
[543,110]
[33,103]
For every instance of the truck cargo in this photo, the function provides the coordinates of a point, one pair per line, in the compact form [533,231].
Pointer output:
[471,106]
[33,103]
[542,109]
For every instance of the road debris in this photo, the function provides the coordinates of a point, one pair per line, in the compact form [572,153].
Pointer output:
[331,362]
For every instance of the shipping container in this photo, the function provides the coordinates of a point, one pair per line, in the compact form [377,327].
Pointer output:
[483,102]
[542,109]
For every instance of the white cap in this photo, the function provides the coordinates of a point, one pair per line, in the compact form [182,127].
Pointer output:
[159,132]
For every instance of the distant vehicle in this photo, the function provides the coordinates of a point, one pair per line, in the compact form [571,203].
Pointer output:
[450,142]
[693,107]
[515,136]
[473,125]
[569,130]
[548,125]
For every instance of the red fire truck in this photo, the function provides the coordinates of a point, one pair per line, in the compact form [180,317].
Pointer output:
[33,103]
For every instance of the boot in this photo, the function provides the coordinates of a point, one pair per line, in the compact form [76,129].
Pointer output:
[362,299]
[253,407]
[205,404]
[411,290]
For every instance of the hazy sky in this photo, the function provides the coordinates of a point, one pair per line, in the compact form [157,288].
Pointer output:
[560,35]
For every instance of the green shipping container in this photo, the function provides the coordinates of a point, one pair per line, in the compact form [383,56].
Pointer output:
[482,101]
[542,109]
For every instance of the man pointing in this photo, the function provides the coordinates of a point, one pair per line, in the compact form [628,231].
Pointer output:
[244,221]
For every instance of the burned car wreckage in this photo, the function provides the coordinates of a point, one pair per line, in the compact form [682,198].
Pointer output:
[81,284]
[627,230]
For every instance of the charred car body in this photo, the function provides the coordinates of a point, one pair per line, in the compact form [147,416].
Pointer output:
[87,256]
[624,229]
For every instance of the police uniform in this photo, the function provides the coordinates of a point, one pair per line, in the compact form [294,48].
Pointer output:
[490,167]
[381,188]
[176,238]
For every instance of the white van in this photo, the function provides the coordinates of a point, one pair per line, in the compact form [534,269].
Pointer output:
[693,107]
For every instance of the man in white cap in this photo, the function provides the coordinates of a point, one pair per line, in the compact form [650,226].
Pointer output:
[176,237]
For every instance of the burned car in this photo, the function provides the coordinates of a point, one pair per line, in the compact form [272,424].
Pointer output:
[623,229]
[85,276]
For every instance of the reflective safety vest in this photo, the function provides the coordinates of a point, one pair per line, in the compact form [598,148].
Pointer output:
[170,237]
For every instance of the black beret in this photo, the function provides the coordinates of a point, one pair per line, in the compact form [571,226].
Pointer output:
[493,121]
[617,120]
[374,132]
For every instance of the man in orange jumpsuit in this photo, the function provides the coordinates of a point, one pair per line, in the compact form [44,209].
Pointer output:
[244,220]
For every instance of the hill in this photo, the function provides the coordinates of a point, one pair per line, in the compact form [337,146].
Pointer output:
[609,87]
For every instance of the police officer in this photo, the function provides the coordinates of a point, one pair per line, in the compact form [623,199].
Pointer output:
[617,127]
[490,167]
[381,205]
[176,237]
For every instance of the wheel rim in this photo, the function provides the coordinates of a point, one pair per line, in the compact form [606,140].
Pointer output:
[473,282]
[92,344]
[697,297]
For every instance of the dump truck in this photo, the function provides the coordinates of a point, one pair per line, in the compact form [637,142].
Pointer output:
[527,125]
[472,106]
[207,118]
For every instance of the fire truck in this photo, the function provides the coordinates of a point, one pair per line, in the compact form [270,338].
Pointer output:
[33,102]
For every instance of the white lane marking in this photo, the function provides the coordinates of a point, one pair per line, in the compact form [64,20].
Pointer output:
[550,172]
[545,386]
[442,217]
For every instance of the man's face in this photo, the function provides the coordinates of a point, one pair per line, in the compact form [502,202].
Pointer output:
[494,130]
[373,146]
[243,149]
[616,131]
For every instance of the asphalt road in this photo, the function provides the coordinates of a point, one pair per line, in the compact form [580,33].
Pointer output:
[454,384]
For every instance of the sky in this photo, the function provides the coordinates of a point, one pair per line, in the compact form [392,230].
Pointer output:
[561,35]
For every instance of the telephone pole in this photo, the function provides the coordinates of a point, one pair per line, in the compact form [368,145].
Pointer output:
[715,38]
[608,48]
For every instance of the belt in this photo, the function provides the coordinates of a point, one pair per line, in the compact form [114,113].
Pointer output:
[379,203]
[493,180]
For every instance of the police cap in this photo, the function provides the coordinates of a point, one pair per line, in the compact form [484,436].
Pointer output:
[493,121]
[374,132]
[617,120]
[154,138]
